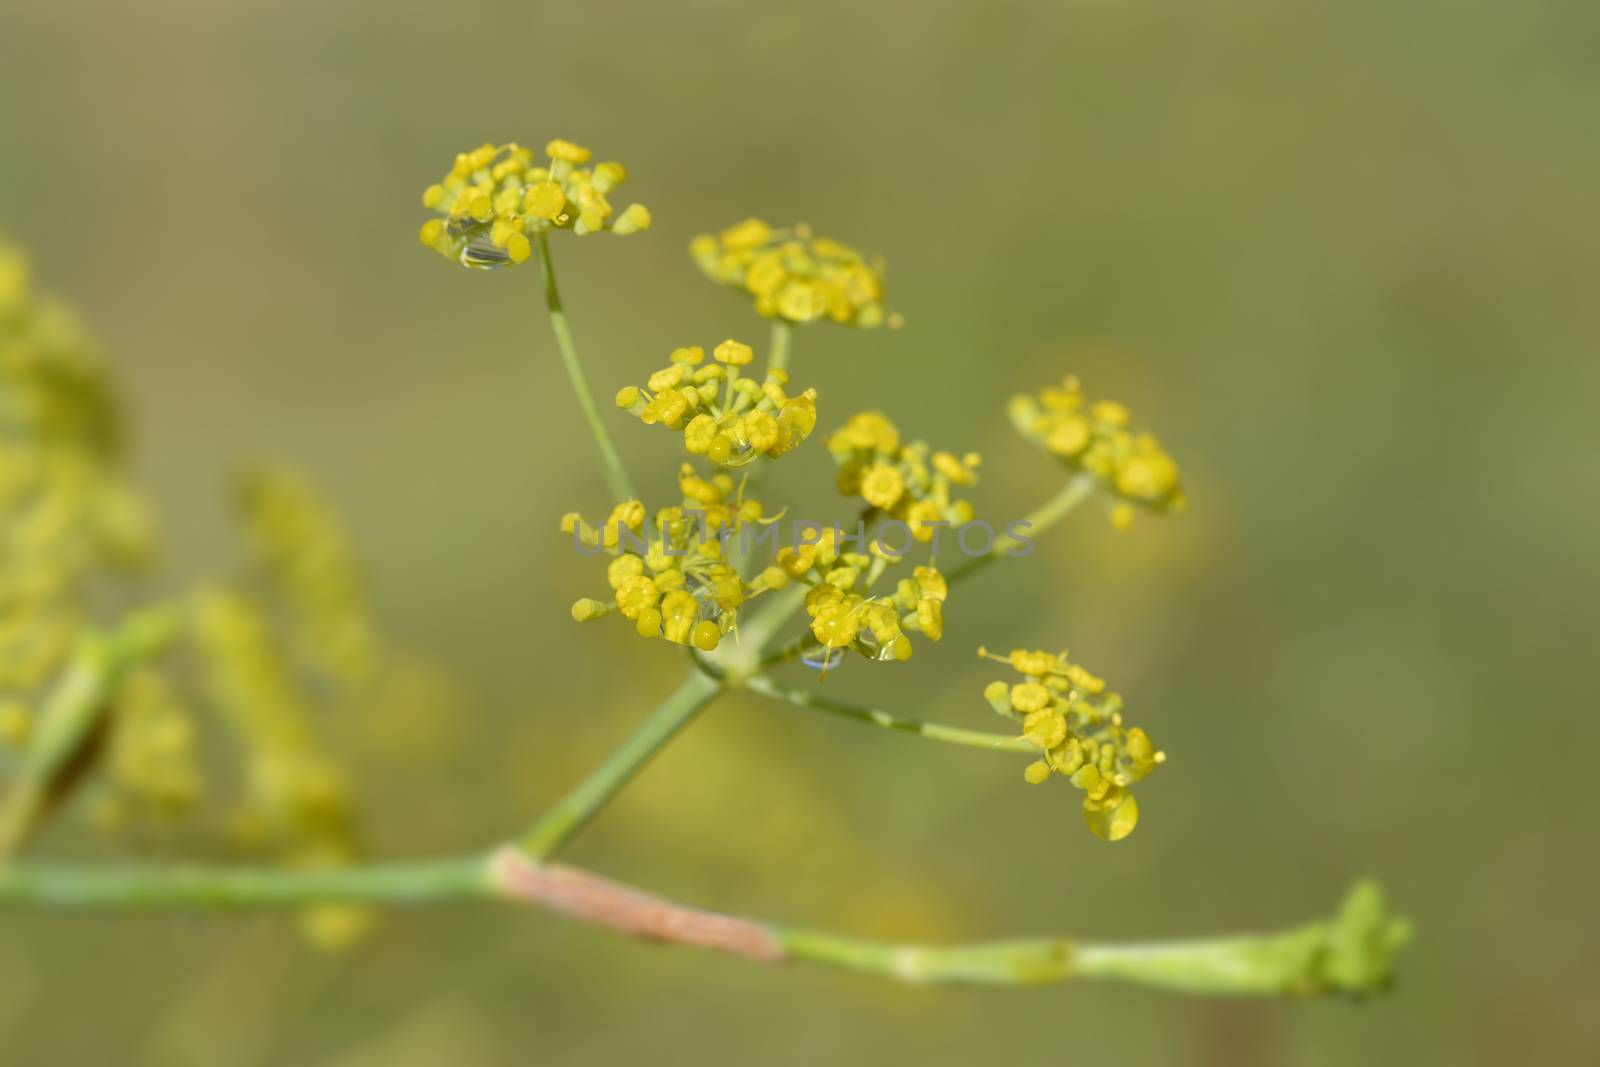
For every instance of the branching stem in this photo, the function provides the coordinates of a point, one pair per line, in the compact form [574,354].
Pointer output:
[1315,958]
[572,812]
[74,711]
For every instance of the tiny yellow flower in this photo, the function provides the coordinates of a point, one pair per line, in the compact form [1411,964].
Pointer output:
[567,152]
[882,485]
[634,217]
[733,352]
[1029,697]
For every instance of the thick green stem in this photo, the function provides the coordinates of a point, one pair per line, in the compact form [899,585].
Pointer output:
[1035,522]
[1352,953]
[617,479]
[128,888]
[75,709]
[932,731]
[573,811]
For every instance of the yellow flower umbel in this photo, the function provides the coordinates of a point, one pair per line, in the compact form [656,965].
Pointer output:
[795,276]
[723,416]
[671,578]
[1097,439]
[844,612]
[902,481]
[496,200]
[1077,726]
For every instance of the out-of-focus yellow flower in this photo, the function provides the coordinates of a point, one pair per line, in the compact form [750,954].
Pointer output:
[905,481]
[154,766]
[301,544]
[297,799]
[70,517]
[16,723]
[68,513]
[497,200]
[728,418]
[1098,440]
[1067,714]
[336,927]
[795,276]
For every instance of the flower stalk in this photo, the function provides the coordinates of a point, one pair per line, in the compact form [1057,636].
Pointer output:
[617,479]
[778,346]
[933,731]
[1036,521]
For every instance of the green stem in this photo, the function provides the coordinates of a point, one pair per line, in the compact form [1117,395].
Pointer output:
[424,882]
[74,710]
[1035,522]
[932,731]
[778,347]
[1351,953]
[572,812]
[617,479]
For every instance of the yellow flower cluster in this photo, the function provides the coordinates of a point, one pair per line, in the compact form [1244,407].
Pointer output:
[902,480]
[299,541]
[497,200]
[844,612]
[795,276]
[67,512]
[297,797]
[723,416]
[1067,714]
[154,760]
[671,577]
[1097,439]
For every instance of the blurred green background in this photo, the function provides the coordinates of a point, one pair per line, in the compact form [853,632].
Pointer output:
[1342,257]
